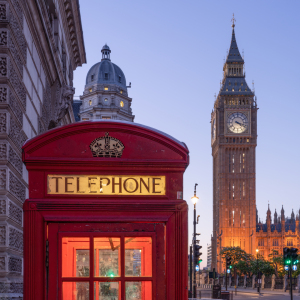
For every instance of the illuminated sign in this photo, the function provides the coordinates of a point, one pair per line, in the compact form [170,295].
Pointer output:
[106,185]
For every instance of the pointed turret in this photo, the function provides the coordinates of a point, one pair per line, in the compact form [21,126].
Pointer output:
[234,82]
[282,214]
[292,215]
[275,217]
[269,220]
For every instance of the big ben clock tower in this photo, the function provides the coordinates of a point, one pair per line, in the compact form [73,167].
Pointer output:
[233,141]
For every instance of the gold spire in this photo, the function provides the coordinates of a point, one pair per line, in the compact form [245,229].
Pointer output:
[233,20]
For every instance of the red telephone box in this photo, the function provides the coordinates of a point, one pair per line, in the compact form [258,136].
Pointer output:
[105,217]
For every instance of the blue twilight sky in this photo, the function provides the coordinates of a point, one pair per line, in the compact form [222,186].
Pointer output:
[173,52]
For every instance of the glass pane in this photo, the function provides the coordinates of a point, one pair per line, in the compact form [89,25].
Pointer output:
[75,291]
[107,257]
[75,257]
[107,291]
[138,290]
[138,256]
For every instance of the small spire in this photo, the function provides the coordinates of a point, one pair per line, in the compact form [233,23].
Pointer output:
[233,20]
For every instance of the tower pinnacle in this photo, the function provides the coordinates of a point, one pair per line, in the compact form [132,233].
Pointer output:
[233,20]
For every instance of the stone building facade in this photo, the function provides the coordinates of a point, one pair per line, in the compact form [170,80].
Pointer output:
[233,141]
[272,237]
[105,94]
[41,43]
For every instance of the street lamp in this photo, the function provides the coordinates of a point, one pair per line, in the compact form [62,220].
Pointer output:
[194,200]
[257,270]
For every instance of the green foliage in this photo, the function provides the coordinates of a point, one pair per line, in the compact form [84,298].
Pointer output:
[247,264]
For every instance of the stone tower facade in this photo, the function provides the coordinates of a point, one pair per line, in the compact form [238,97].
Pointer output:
[105,95]
[233,141]
[41,44]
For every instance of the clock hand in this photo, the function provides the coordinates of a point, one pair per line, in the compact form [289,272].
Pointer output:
[240,123]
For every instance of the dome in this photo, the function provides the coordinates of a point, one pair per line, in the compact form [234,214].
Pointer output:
[106,72]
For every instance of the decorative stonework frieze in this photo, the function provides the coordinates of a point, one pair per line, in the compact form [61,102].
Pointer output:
[17,85]
[2,235]
[15,160]
[11,287]
[15,212]
[16,187]
[15,264]
[3,37]
[3,123]
[2,263]
[2,179]
[18,33]
[16,133]
[3,66]
[15,239]
[3,15]
[46,109]
[2,207]
[18,10]
[15,55]
[3,94]
[15,107]
[3,151]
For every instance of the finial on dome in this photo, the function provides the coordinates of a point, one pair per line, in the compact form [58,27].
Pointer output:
[105,52]
[233,20]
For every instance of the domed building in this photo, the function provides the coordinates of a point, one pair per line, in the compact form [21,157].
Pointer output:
[105,95]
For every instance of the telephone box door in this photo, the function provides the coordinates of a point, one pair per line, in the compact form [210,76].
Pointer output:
[105,261]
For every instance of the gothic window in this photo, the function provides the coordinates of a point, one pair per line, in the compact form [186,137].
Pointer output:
[229,217]
[247,140]
[260,242]
[244,221]
[233,160]
[106,118]
[229,163]
[233,222]
[90,90]
[275,242]
[90,102]
[243,162]
[106,88]
[289,243]
[229,191]
[233,192]
[244,191]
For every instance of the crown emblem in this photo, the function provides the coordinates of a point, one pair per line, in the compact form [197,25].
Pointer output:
[107,146]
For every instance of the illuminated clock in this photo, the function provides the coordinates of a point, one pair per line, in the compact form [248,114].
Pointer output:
[213,129]
[237,122]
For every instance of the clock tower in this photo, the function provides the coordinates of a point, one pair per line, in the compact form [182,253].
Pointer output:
[233,141]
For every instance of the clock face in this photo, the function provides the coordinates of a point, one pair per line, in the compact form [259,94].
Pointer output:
[213,129]
[237,122]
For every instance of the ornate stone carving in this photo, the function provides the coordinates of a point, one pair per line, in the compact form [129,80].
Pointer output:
[15,107]
[18,33]
[18,10]
[2,235]
[46,109]
[16,133]
[2,179]
[64,98]
[3,66]
[3,125]
[16,187]
[15,55]
[15,212]
[15,160]
[3,11]
[3,38]
[3,94]
[15,239]
[3,151]
[18,85]
[15,264]
[2,207]
[2,263]
[12,287]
